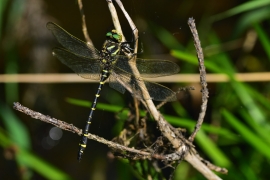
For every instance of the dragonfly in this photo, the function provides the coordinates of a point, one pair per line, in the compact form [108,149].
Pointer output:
[111,64]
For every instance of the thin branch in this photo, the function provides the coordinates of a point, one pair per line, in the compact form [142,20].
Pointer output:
[84,27]
[192,26]
[201,167]
[132,26]
[214,167]
[176,157]
[140,154]
[178,91]
[70,127]
[115,19]
[131,23]
[178,78]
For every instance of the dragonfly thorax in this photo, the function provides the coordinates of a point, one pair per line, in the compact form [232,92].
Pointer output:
[109,51]
[111,48]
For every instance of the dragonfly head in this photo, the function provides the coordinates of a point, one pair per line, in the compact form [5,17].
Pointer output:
[114,36]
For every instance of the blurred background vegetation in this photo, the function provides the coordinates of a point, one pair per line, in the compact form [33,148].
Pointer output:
[235,37]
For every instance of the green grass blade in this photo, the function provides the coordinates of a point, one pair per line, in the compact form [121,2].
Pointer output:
[33,162]
[165,37]
[249,136]
[191,58]
[258,96]
[247,20]
[248,6]
[264,39]
[249,103]
[210,148]
[40,166]
[188,123]
[261,131]
[107,107]
[17,130]
[2,11]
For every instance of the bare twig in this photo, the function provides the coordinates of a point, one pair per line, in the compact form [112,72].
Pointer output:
[201,167]
[192,26]
[115,19]
[214,167]
[137,112]
[193,153]
[208,164]
[84,27]
[179,78]
[179,90]
[139,154]
[70,127]
[132,25]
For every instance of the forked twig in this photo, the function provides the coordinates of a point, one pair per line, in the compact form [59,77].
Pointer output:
[132,25]
[178,144]
[115,19]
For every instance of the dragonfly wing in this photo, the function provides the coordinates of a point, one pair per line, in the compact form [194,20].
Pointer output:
[149,67]
[156,91]
[84,67]
[156,67]
[159,92]
[72,43]
[116,85]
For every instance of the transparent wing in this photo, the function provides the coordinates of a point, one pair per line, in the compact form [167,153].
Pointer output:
[84,67]
[156,91]
[148,67]
[72,43]
[156,67]
[116,85]
[159,92]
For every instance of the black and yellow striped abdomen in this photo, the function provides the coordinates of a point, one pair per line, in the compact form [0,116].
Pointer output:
[83,142]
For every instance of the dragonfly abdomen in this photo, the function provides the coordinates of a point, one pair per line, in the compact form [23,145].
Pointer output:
[83,142]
